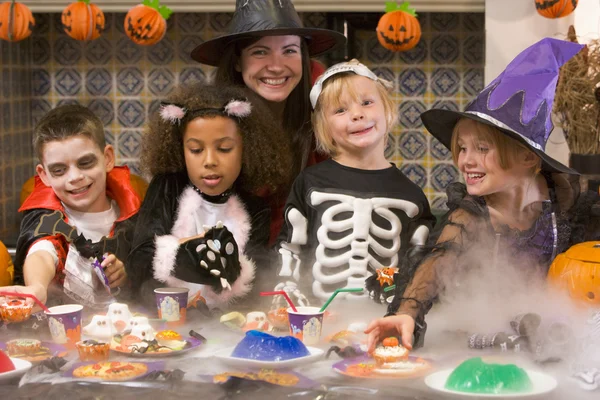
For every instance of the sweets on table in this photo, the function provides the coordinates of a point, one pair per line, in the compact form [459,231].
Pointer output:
[23,346]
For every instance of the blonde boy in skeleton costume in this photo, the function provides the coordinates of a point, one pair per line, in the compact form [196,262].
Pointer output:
[356,213]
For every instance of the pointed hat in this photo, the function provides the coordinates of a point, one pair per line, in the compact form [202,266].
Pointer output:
[266,18]
[518,102]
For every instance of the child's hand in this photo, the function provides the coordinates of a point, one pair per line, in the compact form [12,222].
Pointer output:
[390,326]
[37,290]
[114,270]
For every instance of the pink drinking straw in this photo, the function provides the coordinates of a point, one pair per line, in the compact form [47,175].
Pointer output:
[284,294]
[26,295]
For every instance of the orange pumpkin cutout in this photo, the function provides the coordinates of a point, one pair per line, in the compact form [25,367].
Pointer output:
[146,23]
[82,20]
[16,21]
[555,8]
[578,272]
[398,29]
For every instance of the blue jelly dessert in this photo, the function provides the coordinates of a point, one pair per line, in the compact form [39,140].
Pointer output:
[261,346]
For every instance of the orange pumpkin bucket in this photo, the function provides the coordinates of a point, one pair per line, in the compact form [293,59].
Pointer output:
[556,8]
[578,272]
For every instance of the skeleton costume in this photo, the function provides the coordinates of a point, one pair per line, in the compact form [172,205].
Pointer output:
[518,103]
[173,209]
[342,223]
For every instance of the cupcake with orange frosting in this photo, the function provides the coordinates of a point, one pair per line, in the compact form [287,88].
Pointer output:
[390,351]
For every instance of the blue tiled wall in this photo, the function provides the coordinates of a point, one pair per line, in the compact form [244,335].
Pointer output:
[124,83]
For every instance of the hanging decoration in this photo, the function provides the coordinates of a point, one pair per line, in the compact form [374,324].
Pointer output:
[555,8]
[577,271]
[16,21]
[146,23]
[82,20]
[398,29]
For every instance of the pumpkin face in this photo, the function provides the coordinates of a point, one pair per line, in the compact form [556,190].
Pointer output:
[83,21]
[16,21]
[398,31]
[555,8]
[577,271]
[144,25]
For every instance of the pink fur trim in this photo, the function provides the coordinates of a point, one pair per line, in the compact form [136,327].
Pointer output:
[240,287]
[185,225]
[238,108]
[172,113]
[164,256]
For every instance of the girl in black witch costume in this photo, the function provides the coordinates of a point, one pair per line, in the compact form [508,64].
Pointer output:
[517,202]
[198,227]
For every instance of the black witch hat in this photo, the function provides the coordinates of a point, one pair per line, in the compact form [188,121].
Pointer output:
[266,18]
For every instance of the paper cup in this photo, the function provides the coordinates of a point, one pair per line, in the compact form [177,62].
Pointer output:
[65,324]
[306,324]
[172,304]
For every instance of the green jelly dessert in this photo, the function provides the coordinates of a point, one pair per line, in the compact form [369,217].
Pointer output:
[475,376]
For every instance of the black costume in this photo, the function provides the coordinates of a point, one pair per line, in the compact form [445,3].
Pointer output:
[218,267]
[347,222]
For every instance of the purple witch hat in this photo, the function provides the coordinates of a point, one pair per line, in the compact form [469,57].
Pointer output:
[518,102]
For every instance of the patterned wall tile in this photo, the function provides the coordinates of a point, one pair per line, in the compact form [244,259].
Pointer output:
[161,81]
[416,173]
[445,82]
[98,81]
[99,51]
[130,81]
[123,83]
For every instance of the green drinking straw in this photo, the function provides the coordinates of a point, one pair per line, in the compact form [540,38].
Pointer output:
[387,289]
[336,293]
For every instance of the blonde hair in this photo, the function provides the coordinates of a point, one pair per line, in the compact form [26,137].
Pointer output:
[506,147]
[330,96]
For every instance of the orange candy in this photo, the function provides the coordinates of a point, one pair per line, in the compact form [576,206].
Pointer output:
[390,342]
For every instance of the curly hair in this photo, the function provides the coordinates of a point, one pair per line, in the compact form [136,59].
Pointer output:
[266,154]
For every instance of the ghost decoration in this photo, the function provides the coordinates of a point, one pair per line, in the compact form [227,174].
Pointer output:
[57,329]
[257,320]
[100,327]
[120,316]
[140,328]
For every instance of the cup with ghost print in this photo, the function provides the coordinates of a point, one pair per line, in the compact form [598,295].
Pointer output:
[172,305]
[65,324]
[306,324]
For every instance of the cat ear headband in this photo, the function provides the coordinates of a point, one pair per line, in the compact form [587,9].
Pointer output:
[174,113]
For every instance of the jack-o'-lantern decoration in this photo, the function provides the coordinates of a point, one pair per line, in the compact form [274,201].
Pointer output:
[7,268]
[578,272]
[555,8]
[16,21]
[146,23]
[398,29]
[82,20]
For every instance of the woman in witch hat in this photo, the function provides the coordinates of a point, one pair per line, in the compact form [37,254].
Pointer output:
[519,204]
[267,49]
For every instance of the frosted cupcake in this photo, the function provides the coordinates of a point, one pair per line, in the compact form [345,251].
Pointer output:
[390,351]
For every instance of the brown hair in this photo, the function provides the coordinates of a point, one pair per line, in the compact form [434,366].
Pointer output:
[266,155]
[64,122]
[506,147]
[296,115]
[330,96]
